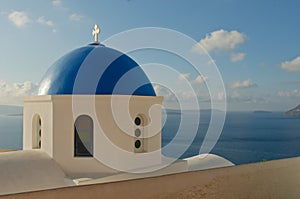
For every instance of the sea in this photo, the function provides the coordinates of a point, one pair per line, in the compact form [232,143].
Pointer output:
[247,137]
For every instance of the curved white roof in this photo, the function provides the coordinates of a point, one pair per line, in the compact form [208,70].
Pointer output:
[29,170]
[207,161]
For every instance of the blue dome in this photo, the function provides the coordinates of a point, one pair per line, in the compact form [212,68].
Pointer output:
[95,70]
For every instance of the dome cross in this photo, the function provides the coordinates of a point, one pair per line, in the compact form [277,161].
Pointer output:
[95,33]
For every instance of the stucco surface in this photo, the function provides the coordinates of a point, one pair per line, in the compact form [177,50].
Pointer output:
[206,161]
[30,170]
[273,179]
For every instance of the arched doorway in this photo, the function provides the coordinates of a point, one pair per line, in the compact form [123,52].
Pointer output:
[83,136]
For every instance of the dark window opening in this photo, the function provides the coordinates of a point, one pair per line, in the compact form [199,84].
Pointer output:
[83,136]
[137,121]
[137,144]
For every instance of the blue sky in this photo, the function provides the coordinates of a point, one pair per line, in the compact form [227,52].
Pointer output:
[255,44]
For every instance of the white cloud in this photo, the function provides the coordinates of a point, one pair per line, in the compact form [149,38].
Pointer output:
[75,17]
[293,93]
[221,40]
[169,96]
[56,3]
[200,79]
[235,57]
[13,93]
[291,66]
[220,96]
[238,97]
[243,84]
[19,19]
[43,21]
[184,76]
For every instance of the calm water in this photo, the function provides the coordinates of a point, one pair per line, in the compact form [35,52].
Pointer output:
[11,128]
[246,137]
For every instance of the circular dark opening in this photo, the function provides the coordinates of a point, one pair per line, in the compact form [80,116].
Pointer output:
[137,121]
[137,144]
[137,132]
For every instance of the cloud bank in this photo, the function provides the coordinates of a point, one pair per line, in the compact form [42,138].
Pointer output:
[293,93]
[13,93]
[243,84]
[221,40]
[291,66]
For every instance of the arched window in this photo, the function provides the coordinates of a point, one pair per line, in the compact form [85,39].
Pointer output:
[83,136]
[36,132]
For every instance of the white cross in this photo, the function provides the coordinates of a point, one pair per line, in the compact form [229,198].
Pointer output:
[96,32]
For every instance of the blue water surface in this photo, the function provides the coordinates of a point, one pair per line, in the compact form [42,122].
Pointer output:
[246,137]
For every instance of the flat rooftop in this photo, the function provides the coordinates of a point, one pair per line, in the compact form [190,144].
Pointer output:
[271,179]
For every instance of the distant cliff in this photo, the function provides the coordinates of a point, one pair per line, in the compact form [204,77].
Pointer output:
[294,112]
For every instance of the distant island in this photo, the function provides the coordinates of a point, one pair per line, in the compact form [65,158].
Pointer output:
[294,112]
[261,111]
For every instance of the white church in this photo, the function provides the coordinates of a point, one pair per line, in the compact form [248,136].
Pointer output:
[96,119]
